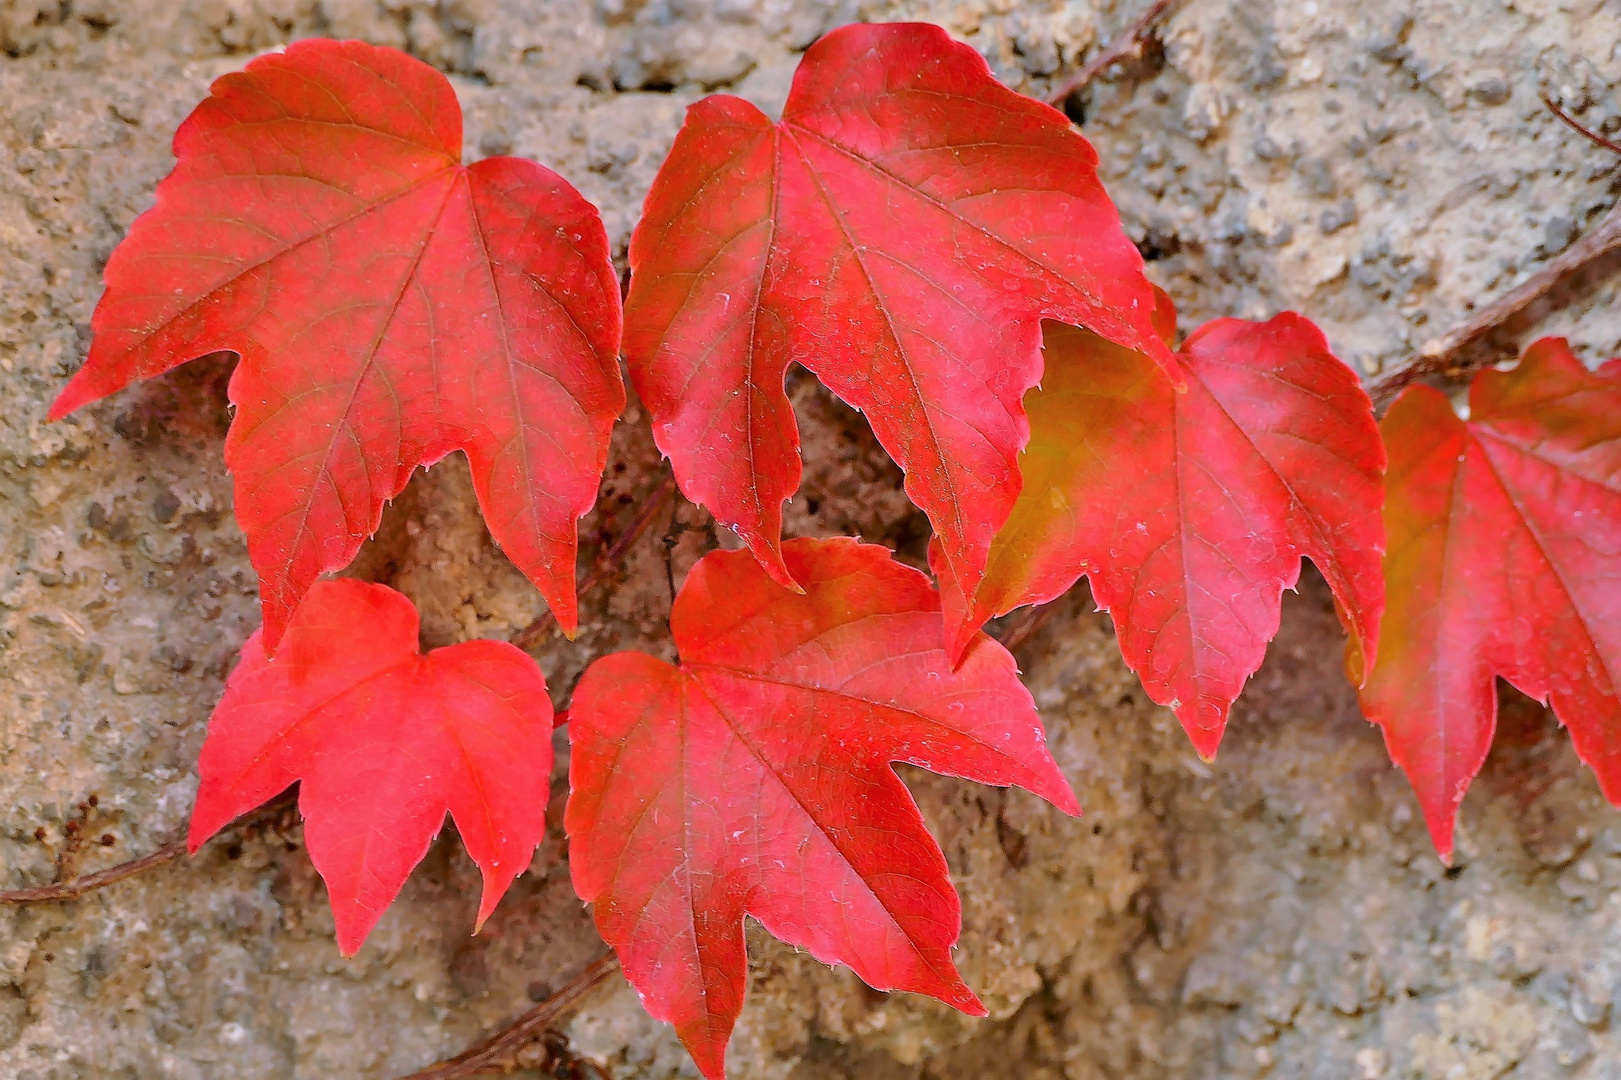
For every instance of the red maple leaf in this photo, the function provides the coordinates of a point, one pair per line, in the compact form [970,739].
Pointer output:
[755,779]
[1190,511]
[389,304]
[1505,559]
[901,232]
[383,741]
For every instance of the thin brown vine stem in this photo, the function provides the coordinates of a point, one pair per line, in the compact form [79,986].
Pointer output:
[1442,355]
[77,887]
[606,561]
[1126,45]
[74,888]
[1580,128]
[499,1050]
[1027,627]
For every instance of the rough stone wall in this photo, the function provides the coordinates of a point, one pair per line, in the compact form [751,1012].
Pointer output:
[1381,166]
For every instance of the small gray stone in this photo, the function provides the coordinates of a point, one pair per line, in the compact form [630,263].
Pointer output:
[1491,90]
[1587,1012]
[1318,177]
[1557,234]
[495,144]
[1266,149]
[165,507]
[1337,217]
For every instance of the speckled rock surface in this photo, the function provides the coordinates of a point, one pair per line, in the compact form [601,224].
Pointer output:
[1381,166]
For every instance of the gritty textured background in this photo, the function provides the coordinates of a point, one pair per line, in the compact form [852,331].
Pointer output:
[1380,165]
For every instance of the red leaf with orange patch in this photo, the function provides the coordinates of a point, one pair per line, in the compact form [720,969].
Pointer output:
[1505,560]
[1190,511]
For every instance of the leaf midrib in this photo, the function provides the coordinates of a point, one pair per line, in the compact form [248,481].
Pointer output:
[955,502]
[1478,430]
[250,268]
[765,764]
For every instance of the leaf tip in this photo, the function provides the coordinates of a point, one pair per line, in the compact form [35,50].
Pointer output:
[969,1004]
[565,607]
[708,1054]
[273,624]
[949,988]
[1356,659]
[769,555]
[1441,824]
[1205,735]
[351,935]
[493,891]
[1160,351]
[73,395]
[960,637]
[205,820]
